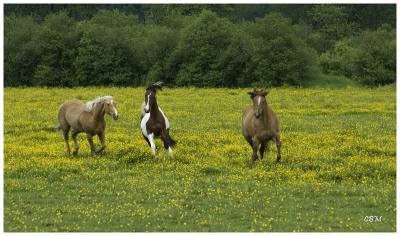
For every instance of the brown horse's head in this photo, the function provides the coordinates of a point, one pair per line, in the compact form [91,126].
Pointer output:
[150,95]
[259,101]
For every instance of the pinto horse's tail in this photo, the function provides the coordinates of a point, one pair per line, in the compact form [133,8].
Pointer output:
[168,141]
[172,142]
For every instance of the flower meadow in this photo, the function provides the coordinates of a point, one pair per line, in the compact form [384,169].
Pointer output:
[337,173]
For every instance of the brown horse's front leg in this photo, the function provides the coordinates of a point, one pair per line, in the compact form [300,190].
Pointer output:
[91,144]
[262,150]
[76,146]
[102,142]
[255,147]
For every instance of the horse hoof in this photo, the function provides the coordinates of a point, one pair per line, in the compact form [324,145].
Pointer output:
[251,164]
[74,153]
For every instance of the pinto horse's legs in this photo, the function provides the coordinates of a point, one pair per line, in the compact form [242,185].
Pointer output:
[147,140]
[90,140]
[76,146]
[152,144]
[167,142]
[277,140]
[102,142]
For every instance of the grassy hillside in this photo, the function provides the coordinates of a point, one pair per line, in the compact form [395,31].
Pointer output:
[338,164]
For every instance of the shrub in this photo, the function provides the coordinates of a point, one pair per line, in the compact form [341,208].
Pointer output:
[369,58]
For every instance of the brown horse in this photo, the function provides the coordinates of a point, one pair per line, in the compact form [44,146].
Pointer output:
[260,125]
[153,121]
[87,118]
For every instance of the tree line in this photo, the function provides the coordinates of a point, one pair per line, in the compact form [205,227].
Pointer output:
[197,45]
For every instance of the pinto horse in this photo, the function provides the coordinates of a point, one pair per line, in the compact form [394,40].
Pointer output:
[154,123]
[87,118]
[260,125]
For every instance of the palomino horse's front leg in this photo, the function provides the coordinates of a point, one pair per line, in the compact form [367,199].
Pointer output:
[67,141]
[76,146]
[91,144]
[102,142]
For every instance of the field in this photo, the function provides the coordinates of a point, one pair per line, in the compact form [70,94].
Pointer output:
[338,170]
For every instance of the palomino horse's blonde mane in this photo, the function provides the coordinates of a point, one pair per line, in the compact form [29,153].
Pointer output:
[89,105]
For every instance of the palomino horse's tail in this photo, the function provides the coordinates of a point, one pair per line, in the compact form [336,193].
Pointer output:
[57,127]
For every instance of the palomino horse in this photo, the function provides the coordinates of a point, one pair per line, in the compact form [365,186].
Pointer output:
[87,118]
[260,125]
[154,123]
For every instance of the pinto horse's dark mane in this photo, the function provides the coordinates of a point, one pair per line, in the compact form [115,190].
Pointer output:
[155,86]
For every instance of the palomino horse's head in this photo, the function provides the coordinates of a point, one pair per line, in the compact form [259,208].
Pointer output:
[110,107]
[259,101]
[104,104]
[150,95]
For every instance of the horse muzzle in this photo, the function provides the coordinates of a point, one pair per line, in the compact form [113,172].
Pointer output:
[115,116]
[257,114]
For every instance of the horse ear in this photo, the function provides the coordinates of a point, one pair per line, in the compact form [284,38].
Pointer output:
[251,94]
[265,93]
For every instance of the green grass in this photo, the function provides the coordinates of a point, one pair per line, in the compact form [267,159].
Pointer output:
[338,164]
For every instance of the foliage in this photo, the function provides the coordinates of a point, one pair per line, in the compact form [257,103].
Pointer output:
[330,23]
[278,56]
[204,45]
[21,54]
[56,40]
[198,53]
[369,58]
[338,164]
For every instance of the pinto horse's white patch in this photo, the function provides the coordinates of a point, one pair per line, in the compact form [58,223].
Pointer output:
[143,124]
[152,144]
[146,108]
[165,118]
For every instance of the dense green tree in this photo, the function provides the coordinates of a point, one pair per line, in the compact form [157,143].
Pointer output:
[330,24]
[198,52]
[369,58]
[279,56]
[21,54]
[57,42]
[106,53]
[223,45]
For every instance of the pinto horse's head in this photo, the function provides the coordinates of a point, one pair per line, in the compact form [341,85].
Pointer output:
[259,101]
[150,95]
